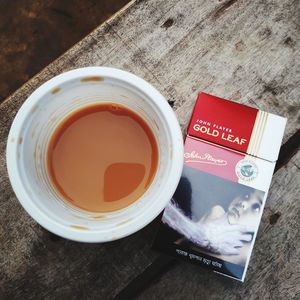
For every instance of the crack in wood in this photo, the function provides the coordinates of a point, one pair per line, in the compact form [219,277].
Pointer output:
[152,273]
[223,8]
[167,24]
[274,218]
[288,150]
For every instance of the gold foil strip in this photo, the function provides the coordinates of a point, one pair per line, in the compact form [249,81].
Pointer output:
[263,126]
[253,134]
[256,134]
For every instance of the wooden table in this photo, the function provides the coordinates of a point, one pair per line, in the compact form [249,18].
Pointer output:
[246,51]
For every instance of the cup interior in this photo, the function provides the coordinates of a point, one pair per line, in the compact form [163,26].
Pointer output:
[39,120]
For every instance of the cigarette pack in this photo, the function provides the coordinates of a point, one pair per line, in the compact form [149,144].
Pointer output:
[229,157]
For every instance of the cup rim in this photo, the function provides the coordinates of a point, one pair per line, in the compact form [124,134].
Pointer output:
[128,227]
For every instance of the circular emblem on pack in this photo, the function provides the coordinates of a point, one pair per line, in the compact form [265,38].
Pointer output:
[246,170]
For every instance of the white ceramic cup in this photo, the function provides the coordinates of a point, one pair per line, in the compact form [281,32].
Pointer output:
[46,108]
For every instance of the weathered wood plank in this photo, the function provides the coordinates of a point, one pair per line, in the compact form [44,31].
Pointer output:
[274,270]
[246,51]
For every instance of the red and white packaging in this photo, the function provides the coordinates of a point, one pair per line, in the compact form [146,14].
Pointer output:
[229,159]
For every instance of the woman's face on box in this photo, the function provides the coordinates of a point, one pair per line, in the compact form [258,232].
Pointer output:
[245,209]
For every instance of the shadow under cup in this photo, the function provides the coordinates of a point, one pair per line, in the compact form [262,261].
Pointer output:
[30,149]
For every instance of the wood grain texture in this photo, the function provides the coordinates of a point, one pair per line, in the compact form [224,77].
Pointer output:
[274,269]
[246,51]
[34,33]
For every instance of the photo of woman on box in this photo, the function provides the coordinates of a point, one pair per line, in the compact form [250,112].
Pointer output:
[218,216]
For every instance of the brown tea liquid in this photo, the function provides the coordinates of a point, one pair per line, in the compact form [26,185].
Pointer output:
[102,157]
